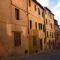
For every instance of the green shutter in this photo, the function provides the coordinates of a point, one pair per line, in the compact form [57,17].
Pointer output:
[41,26]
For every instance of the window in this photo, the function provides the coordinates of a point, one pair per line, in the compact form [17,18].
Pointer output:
[34,41]
[17,13]
[29,3]
[47,33]
[38,11]
[30,24]
[46,21]
[42,14]
[35,7]
[17,38]
[50,33]
[43,27]
[36,25]
[40,26]
[51,25]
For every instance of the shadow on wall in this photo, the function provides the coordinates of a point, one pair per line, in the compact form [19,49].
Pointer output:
[3,52]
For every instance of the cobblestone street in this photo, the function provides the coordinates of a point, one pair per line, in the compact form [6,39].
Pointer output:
[53,55]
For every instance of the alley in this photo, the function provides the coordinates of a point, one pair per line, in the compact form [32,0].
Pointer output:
[52,55]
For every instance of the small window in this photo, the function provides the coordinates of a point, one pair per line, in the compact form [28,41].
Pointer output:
[38,11]
[17,13]
[47,33]
[42,14]
[30,24]
[17,38]
[43,27]
[51,25]
[36,25]
[46,21]
[50,33]
[29,3]
[40,26]
[35,7]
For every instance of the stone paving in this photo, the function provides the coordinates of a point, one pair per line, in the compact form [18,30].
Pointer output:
[51,55]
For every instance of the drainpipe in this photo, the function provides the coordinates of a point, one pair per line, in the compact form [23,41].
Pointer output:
[28,26]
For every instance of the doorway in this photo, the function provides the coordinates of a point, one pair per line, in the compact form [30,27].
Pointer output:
[41,44]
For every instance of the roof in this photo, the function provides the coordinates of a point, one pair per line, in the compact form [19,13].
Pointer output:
[49,10]
[56,22]
[52,13]
[38,4]
[42,6]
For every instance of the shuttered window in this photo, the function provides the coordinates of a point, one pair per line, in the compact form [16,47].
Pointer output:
[17,38]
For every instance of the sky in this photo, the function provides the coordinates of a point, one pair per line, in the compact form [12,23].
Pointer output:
[54,6]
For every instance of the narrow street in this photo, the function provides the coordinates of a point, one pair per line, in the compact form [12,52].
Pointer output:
[52,55]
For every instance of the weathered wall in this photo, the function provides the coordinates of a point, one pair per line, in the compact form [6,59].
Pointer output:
[8,24]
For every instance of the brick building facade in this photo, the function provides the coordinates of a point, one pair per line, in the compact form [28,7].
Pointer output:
[24,26]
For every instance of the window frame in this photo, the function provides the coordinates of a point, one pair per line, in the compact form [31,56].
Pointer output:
[38,11]
[17,38]
[17,13]
[29,3]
